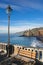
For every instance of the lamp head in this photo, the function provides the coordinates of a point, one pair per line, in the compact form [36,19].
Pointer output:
[8,9]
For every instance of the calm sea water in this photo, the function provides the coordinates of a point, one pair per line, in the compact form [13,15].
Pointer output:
[24,41]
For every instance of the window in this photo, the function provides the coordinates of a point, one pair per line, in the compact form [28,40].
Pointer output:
[36,54]
[32,50]
[40,54]
[25,49]
[20,47]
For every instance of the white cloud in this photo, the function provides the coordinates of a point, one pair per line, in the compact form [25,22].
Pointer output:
[4,29]
[14,29]
[23,4]
[36,4]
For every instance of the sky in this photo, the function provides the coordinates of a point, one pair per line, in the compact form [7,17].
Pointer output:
[25,15]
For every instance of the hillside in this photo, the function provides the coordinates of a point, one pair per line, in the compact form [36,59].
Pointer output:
[33,32]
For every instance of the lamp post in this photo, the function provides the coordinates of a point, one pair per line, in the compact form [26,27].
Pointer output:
[8,10]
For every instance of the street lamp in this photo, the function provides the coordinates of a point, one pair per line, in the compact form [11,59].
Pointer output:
[8,10]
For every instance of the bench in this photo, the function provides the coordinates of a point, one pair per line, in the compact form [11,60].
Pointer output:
[26,55]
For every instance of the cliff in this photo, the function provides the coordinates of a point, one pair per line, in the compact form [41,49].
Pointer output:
[33,32]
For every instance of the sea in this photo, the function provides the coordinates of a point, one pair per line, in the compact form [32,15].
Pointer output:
[16,39]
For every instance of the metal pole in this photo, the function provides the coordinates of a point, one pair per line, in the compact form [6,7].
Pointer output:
[9,9]
[8,29]
[8,33]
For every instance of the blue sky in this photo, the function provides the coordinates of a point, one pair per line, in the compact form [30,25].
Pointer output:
[26,14]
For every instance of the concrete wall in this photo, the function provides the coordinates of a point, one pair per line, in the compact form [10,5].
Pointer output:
[3,46]
[38,51]
[17,48]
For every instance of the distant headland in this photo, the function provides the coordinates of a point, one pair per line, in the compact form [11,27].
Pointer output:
[36,32]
